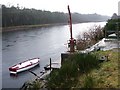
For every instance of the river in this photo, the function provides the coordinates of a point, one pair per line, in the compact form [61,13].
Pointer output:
[45,43]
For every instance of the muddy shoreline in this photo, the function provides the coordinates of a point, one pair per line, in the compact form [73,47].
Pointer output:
[28,27]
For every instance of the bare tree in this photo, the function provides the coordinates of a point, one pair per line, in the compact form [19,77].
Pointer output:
[90,37]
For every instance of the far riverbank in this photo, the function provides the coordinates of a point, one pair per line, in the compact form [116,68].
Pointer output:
[27,27]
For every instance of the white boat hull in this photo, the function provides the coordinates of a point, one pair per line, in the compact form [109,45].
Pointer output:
[23,68]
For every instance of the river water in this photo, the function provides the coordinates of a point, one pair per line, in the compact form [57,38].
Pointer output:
[45,43]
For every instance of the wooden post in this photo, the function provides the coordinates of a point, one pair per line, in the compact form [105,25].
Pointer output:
[50,63]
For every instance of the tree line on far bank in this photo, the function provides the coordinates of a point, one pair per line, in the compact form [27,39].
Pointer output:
[14,16]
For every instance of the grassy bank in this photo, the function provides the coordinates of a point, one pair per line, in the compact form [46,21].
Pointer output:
[71,70]
[107,76]
[85,71]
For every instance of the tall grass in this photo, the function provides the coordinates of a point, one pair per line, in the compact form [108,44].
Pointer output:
[88,82]
[76,65]
[86,62]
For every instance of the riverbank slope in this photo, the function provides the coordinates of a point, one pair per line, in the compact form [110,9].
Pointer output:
[106,75]
[85,71]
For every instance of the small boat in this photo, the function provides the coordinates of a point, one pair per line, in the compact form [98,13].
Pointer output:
[25,65]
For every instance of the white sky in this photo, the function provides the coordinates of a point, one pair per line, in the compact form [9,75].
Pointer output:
[103,7]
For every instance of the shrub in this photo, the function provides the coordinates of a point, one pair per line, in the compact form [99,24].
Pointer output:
[85,62]
[93,35]
[76,65]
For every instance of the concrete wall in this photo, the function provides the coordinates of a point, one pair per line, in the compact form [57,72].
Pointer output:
[65,56]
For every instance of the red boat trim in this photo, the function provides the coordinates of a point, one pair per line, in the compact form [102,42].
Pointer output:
[13,69]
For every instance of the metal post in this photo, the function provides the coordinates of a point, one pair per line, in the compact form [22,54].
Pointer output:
[71,37]
[50,63]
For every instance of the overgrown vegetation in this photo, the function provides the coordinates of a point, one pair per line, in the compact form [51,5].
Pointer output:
[72,69]
[84,71]
[88,82]
[111,26]
[34,85]
[89,38]
[107,76]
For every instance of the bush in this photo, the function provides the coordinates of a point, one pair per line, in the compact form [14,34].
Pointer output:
[93,35]
[65,77]
[85,62]
[76,65]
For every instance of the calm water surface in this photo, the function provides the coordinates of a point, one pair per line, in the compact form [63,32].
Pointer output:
[45,43]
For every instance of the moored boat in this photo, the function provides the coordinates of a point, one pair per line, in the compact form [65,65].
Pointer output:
[25,65]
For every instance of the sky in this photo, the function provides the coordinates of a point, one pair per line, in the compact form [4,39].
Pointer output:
[103,7]
[119,8]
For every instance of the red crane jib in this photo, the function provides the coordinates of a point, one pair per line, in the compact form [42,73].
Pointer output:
[70,22]
[72,41]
